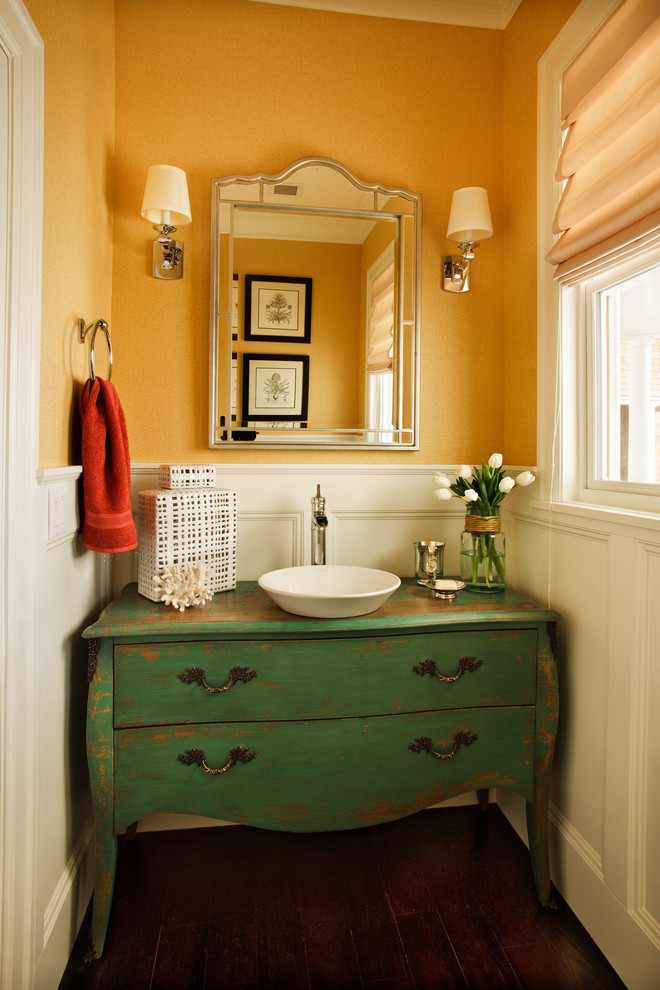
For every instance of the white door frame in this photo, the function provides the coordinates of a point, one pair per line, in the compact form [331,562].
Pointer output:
[20,337]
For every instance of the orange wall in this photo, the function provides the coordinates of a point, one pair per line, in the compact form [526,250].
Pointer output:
[78,209]
[252,86]
[529,33]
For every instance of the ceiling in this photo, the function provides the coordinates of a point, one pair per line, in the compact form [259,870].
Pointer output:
[468,13]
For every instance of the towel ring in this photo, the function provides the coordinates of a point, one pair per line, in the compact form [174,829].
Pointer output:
[94,327]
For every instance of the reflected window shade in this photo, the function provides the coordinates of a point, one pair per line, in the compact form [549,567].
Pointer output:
[610,205]
[381,323]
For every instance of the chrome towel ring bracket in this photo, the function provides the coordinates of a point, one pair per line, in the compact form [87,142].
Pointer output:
[94,327]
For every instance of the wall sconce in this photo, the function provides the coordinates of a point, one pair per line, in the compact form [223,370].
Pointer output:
[469,223]
[167,206]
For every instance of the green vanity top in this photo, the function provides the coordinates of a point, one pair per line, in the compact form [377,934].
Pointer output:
[248,611]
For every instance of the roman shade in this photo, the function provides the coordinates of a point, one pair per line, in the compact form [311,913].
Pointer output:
[610,160]
[381,323]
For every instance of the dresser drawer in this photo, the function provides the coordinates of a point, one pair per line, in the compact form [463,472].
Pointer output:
[321,774]
[163,683]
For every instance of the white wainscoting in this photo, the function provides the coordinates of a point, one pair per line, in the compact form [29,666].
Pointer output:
[645,744]
[73,586]
[375,515]
[601,570]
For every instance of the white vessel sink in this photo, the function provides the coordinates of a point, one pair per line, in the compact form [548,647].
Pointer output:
[329,591]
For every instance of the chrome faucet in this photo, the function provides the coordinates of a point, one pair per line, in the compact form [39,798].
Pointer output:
[319,526]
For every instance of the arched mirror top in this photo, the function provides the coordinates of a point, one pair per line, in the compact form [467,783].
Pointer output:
[314,310]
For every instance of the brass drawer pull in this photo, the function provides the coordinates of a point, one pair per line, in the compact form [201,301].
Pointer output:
[240,754]
[195,675]
[431,667]
[462,738]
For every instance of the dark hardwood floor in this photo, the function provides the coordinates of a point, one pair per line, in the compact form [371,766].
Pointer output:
[440,900]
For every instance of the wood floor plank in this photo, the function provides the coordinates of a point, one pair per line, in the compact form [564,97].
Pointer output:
[366,910]
[507,896]
[454,886]
[181,958]
[429,952]
[332,962]
[329,947]
[430,955]
[231,958]
[134,929]
[280,954]
[402,876]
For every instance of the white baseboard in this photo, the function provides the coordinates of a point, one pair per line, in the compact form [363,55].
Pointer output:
[68,877]
[65,911]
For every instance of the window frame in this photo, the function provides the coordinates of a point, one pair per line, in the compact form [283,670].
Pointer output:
[576,434]
[600,368]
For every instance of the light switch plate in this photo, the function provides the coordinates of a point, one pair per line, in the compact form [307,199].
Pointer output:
[58,507]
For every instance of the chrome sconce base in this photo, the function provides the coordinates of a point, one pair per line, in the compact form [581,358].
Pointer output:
[456,268]
[167,255]
[456,273]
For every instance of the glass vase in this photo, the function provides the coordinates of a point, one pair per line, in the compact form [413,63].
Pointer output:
[483,553]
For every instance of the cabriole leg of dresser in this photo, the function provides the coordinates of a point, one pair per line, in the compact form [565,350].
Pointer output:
[104,881]
[537,831]
[547,709]
[100,759]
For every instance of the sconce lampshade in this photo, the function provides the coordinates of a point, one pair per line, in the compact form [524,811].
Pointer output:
[469,217]
[166,196]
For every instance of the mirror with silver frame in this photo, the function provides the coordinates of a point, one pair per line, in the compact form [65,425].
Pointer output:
[315,293]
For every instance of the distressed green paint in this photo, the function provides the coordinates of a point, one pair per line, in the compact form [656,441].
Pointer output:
[322,774]
[330,714]
[547,714]
[238,612]
[302,679]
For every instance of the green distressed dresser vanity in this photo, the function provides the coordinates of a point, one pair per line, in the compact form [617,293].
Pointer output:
[242,712]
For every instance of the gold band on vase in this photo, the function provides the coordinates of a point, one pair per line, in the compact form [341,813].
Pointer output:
[482,524]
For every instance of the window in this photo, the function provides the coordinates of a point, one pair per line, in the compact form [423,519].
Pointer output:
[599,190]
[623,346]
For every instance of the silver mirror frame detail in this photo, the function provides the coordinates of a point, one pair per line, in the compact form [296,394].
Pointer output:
[221,432]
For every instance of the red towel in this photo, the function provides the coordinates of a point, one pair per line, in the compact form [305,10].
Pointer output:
[108,525]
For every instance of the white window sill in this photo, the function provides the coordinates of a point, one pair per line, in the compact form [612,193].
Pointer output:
[601,513]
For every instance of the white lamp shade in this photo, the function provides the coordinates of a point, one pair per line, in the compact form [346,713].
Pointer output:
[469,218]
[166,196]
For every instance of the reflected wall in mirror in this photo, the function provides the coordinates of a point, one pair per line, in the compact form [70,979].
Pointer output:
[315,289]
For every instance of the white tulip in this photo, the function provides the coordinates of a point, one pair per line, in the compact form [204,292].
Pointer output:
[441,480]
[525,478]
[442,494]
[465,471]
[471,495]
[506,484]
[495,461]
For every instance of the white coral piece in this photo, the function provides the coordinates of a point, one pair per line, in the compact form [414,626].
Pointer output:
[183,585]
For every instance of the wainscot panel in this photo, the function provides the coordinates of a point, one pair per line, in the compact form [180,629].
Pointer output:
[601,570]
[74,585]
